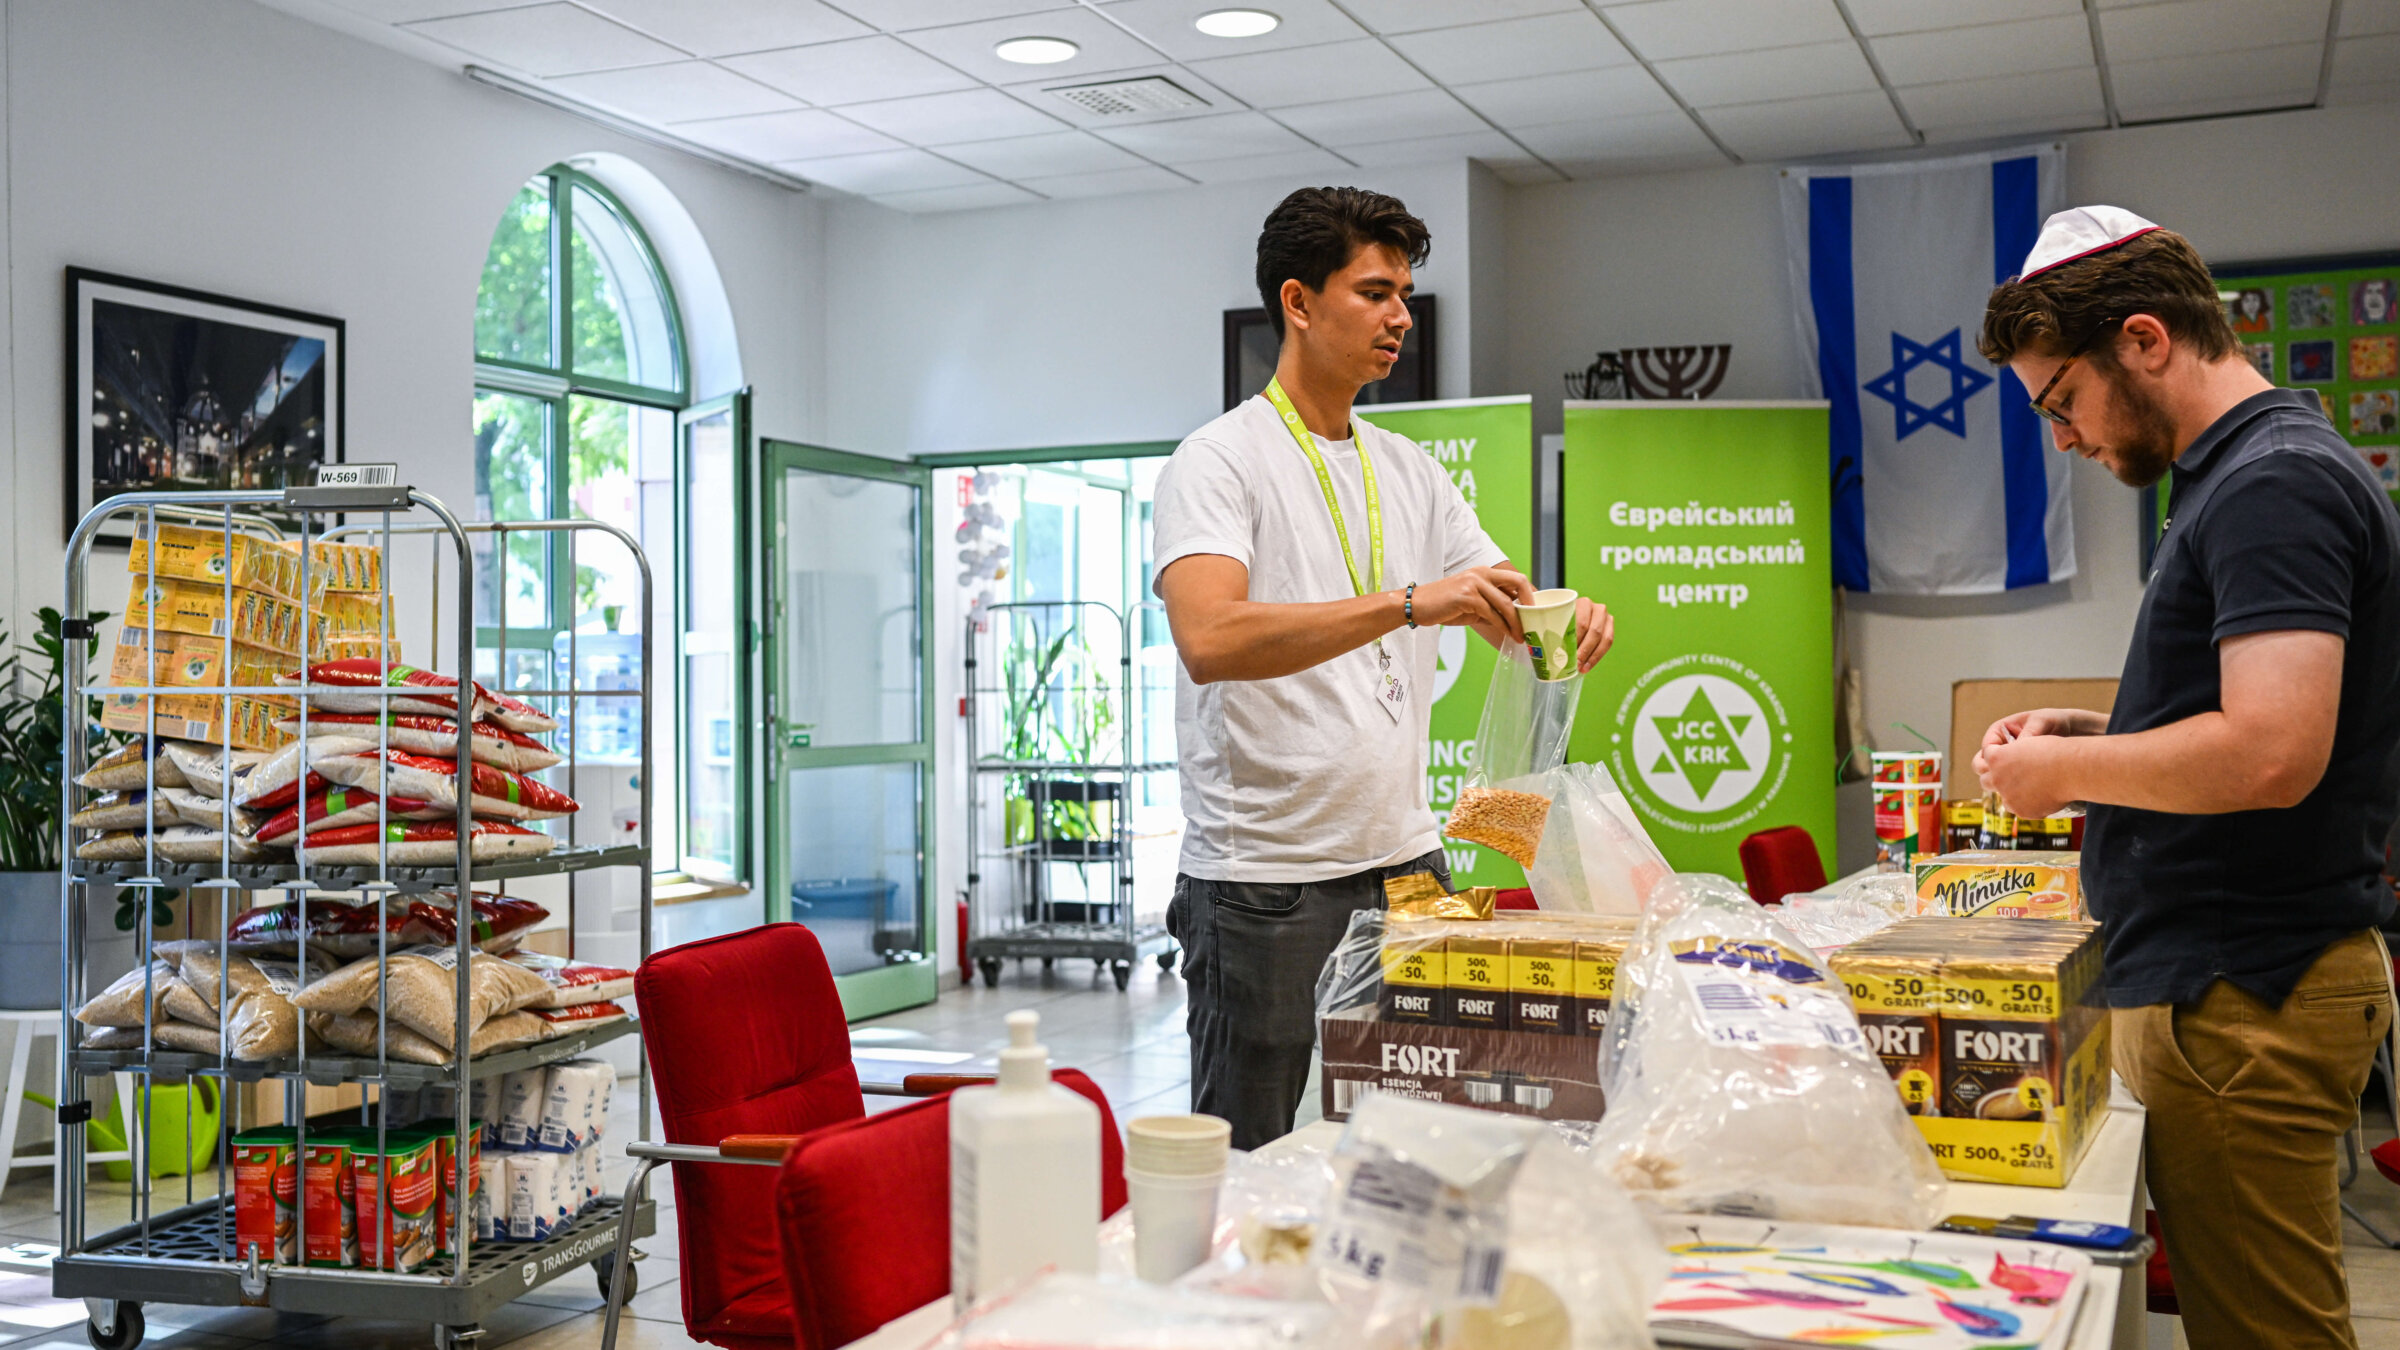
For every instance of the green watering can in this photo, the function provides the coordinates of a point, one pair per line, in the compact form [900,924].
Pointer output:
[172,1105]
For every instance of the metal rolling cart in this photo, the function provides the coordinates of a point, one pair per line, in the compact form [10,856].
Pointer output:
[1052,771]
[187,1254]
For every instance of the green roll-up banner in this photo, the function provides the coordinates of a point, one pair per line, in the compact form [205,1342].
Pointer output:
[1705,527]
[1487,445]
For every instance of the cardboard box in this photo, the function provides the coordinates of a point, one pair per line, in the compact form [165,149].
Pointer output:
[1541,984]
[187,661]
[199,553]
[201,717]
[1475,983]
[205,609]
[1976,704]
[2005,883]
[1527,1073]
[1414,958]
[2020,1059]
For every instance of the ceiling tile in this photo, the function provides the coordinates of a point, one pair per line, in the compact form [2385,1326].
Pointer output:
[944,119]
[1167,25]
[1584,170]
[1410,16]
[1832,124]
[1515,48]
[2219,82]
[1198,138]
[724,27]
[1109,182]
[682,92]
[410,11]
[1103,46]
[1640,136]
[2197,27]
[2363,17]
[1665,29]
[900,16]
[1879,17]
[1291,164]
[1765,76]
[1390,117]
[1991,49]
[2050,123]
[772,138]
[1058,152]
[885,171]
[851,72]
[1037,94]
[2366,60]
[555,39]
[1303,74]
[970,198]
[1489,146]
[1580,95]
[2052,98]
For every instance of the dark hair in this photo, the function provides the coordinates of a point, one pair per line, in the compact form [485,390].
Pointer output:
[2158,274]
[1314,233]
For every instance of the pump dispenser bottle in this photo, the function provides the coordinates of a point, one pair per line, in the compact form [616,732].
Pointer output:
[1024,1173]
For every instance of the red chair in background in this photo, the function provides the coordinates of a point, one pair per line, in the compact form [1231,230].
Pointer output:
[1779,862]
[1515,897]
[888,1175]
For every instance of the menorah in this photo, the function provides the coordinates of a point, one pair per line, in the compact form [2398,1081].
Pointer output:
[1676,372]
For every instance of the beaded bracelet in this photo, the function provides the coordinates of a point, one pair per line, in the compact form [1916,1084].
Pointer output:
[1408,604]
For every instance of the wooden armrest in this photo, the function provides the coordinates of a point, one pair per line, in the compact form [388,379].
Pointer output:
[935,1084]
[758,1147]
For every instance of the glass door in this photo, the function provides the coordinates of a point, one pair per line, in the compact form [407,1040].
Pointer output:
[848,715]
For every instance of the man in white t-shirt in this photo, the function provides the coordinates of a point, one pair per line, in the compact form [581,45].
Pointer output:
[1302,557]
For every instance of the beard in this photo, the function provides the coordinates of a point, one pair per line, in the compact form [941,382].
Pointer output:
[2146,450]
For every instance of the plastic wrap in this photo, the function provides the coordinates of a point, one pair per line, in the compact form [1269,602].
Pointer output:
[1595,857]
[1080,1312]
[1739,1082]
[1828,923]
[1522,737]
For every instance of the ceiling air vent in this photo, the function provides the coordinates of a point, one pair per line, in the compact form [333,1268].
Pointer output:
[1123,98]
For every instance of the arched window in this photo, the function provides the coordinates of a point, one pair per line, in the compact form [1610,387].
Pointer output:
[579,370]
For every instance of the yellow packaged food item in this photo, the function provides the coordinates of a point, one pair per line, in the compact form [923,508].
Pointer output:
[2000,883]
[186,660]
[250,723]
[199,553]
[259,618]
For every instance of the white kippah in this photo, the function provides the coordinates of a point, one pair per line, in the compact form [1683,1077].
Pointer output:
[2080,233]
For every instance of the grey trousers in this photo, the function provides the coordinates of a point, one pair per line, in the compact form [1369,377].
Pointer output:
[1251,955]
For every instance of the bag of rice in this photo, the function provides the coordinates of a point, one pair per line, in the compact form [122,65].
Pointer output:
[557,1022]
[205,767]
[421,989]
[354,1034]
[208,844]
[498,794]
[431,843]
[115,846]
[111,1038]
[435,736]
[258,990]
[518,715]
[428,692]
[193,807]
[277,781]
[348,931]
[122,1003]
[573,983]
[184,1004]
[128,766]
[125,809]
[500,920]
[336,807]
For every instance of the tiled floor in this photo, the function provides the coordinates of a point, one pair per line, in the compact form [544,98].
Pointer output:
[1132,1045]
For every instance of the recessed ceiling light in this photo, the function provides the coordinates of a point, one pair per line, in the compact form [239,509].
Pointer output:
[1236,23]
[1036,51]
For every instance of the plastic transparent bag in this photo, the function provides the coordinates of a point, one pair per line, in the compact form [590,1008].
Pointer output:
[1595,857]
[1828,923]
[1081,1312]
[1739,1083]
[1522,737]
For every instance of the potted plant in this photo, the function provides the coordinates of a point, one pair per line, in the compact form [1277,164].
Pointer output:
[32,735]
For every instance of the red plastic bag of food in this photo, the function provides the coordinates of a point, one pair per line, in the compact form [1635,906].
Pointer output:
[429,693]
[518,715]
[429,843]
[500,920]
[557,1022]
[277,781]
[573,983]
[339,806]
[434,736]
[349,931]
[498,794]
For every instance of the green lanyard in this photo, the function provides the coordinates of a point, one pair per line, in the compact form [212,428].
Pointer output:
[1366,466]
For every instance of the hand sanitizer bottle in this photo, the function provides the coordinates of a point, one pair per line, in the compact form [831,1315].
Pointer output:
[1024,1173]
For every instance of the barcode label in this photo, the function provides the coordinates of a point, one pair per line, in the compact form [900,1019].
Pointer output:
[1482,1093]
[1479,1275]
[357,475]
[1348,1093]
[218,627]
[1533,1096]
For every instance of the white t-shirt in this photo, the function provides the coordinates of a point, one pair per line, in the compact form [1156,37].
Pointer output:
[1307,777]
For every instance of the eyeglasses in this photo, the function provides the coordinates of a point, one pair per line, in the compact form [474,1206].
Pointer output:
[2039,404]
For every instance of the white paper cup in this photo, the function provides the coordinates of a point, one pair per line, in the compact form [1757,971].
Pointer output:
[1550,636]
[1174,1221]
[1177,1146]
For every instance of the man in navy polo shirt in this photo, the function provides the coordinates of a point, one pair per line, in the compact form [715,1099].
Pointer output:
[2241,790]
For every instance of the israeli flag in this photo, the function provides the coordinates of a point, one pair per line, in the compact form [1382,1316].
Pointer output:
[1944,481]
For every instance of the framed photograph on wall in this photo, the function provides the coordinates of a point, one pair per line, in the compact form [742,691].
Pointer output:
[1251,347]
[171,389]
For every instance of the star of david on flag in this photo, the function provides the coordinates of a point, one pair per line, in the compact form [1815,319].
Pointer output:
[1944,481]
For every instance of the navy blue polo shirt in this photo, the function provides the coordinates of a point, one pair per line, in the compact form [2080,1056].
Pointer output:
[2276,523]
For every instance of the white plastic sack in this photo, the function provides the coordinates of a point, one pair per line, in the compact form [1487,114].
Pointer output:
[1595,856]
[1738,1081]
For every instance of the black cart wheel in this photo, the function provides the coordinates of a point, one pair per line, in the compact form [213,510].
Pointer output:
[128,1332]
[604,1269]
[1047,963]
[1166,962]
[463,1337]
[1123,970]
[990,966]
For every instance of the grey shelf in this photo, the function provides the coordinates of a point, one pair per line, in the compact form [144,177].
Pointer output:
[269,876]
[187,1258]
[331,1070]
[1076,941]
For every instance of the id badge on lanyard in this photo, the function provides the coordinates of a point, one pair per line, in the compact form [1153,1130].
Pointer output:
[1391,691]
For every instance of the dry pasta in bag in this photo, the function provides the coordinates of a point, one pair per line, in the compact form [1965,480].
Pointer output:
[1523,736]
[1739,1082]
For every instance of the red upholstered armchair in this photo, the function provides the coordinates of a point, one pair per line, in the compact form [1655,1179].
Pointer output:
[888,1174]
[1779,862]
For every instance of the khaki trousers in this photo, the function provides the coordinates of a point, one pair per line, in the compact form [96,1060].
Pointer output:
[2248,1105]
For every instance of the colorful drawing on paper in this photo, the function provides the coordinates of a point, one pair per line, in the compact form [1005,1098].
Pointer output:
[1824,1285]
[2312,362]
[2262,356]
[2374,300]
[2374,358]
[2374,412]
[2252,311]
[2310,306]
